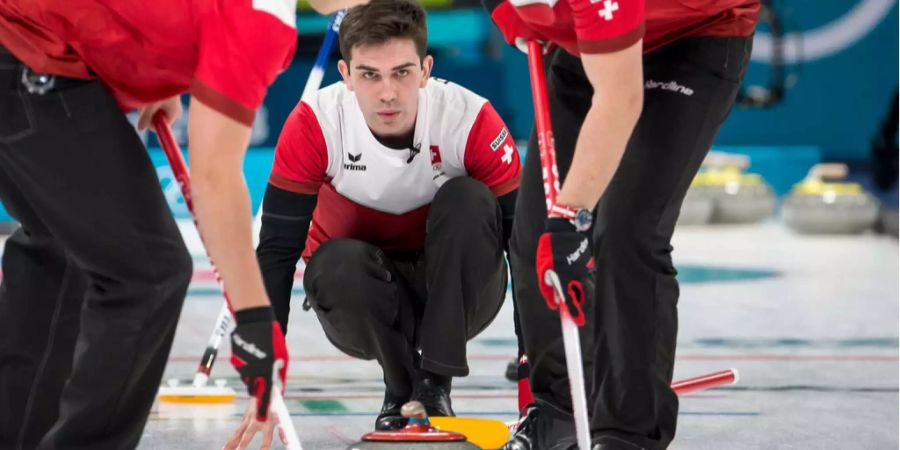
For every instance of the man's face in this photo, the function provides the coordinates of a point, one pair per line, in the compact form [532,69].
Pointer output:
[386,79]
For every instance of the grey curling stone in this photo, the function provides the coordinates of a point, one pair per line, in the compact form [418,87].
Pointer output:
[737,203]
[413,410]
[830,214]
[696,209]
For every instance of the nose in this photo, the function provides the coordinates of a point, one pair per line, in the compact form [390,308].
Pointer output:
[388,90]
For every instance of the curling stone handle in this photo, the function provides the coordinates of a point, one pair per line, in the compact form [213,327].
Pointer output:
[720,160]
[827,172]
[413,410]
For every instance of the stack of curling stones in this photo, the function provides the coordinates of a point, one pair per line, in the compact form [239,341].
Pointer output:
[722,193]
[417,435]
[823,204]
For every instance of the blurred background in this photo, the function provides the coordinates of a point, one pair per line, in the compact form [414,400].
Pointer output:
[822,87]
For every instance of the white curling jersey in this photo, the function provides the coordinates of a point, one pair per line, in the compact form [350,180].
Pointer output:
[377,194]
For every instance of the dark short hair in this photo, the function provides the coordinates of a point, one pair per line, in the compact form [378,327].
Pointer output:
[379,21]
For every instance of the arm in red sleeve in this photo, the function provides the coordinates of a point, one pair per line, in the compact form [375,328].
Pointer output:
[491,154]
[301,155]
[238,61]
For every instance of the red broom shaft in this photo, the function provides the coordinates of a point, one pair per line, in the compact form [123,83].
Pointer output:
[705,381]
[542,122]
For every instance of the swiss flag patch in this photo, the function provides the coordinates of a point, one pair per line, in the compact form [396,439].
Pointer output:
[435,154]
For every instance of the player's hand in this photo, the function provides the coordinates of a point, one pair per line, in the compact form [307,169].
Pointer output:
[171,106]
[564,256]
[248,428]
[515,31]
[259,354]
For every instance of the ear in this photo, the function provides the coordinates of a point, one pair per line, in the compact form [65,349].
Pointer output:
[427,63]
[344,69]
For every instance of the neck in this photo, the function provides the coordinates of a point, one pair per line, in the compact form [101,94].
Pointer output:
[399,142]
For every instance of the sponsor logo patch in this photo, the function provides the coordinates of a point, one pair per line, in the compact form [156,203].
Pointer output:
[355,159]
[672,86]
[498,141]
[249,347]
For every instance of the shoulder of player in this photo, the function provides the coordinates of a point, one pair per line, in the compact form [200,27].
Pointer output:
[453,108]
[448,97]
[326,104]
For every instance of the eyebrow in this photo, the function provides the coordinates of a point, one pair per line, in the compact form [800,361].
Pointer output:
[372,69]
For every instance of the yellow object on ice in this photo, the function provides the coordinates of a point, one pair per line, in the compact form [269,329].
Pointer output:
[818,187]
[197,398]
[192,394]
[725,176]
[485,433]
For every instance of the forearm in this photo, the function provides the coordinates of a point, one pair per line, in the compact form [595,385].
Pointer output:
[617,81]
[285,224]
[222,202]
[598,150]
[278,277]
[222,206]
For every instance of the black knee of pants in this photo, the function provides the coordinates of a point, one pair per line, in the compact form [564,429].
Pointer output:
[464,203]
[465,272]
[364,308]
[373,305]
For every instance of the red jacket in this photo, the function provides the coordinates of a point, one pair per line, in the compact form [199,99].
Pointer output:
[226,52]
[599,26]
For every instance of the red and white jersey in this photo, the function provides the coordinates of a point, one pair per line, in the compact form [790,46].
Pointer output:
[601,26]
[378,194]
[227,52]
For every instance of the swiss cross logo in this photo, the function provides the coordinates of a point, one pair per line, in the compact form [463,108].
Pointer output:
[609,7]
[507,154]
[436,165]
[435,154]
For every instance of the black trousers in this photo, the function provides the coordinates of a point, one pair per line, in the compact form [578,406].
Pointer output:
[94,279]
[387,307]
[629,339]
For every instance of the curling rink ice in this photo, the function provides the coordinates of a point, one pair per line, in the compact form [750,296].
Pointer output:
[810,323]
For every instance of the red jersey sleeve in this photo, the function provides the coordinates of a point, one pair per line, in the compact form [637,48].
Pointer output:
[491,154]
[604,26]
[243,46]
[301,155]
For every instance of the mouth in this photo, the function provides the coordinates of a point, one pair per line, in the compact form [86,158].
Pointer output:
[388,114]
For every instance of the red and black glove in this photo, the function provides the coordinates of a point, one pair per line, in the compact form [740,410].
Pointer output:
[515,30]
[567,253]
[259,354]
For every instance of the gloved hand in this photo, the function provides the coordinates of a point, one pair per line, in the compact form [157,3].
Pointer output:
[259,354]
[515,30]
[566,254]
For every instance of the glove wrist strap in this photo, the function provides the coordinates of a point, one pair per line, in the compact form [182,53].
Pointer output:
[254,315]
